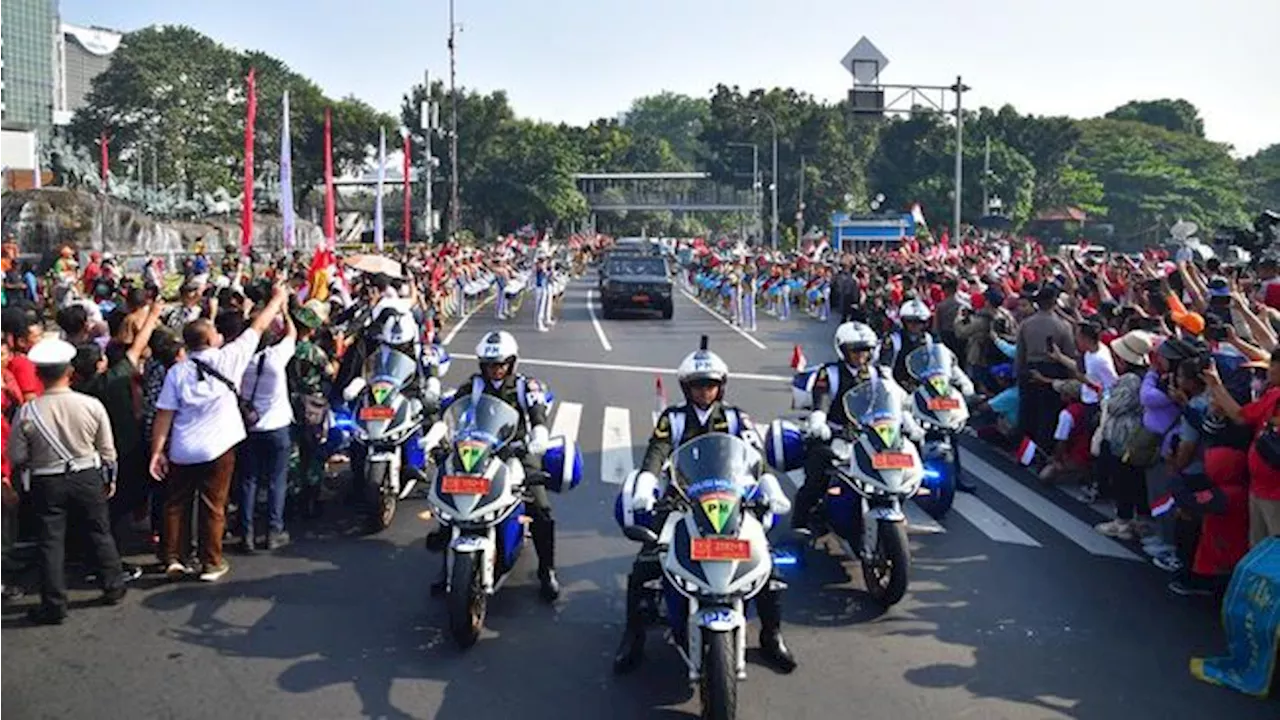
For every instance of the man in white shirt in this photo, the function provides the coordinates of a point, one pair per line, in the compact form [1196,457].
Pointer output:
[264,457]
[1099,367]
[199,404]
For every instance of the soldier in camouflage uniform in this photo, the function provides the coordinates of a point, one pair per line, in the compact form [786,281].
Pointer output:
[309,373]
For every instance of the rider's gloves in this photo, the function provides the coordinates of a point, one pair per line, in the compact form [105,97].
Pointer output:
[539,439]
[353,389]
[817,426]
[431,391]
[645,494]
[773,495]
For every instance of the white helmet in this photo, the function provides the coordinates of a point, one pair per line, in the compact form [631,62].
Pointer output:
[498,346]
[398,326]
[702,364]
[854,336]
[914,310]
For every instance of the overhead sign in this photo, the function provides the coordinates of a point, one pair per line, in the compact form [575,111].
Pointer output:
[865,61]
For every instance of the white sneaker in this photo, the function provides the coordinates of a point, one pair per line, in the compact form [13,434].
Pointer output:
[215,572]
[176,570]
[1118,529]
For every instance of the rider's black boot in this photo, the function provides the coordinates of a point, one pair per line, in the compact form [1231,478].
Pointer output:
[769,606]
[544,544]
[631,649]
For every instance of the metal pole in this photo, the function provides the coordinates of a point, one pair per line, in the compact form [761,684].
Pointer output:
[454,211]
[756,188]
[774,183]
[800,206]
[986,177]
[955,227]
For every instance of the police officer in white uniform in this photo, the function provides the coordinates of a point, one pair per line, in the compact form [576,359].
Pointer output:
[63,440]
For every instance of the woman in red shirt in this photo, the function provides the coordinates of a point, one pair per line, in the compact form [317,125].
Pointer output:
[1261,416]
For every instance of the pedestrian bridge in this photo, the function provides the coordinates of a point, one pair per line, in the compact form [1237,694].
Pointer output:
[676,192]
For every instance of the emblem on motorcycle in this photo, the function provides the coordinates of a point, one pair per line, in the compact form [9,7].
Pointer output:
[718,508]
[380,392]
[470,451]
[886,432]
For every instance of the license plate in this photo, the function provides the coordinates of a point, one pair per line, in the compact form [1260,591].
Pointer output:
[464,485]
[640,298]
[892,461]
[946,403]
[377,412]
[720,549]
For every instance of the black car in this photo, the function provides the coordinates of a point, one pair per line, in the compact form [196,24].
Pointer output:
[634,282]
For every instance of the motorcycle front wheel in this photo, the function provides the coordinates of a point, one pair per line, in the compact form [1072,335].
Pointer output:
[718,683]
[467,600]
[885,570]
[382,496]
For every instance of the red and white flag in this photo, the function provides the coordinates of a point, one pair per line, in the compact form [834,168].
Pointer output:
[1162,505]
[659,401]
[1027,451]
[798,361]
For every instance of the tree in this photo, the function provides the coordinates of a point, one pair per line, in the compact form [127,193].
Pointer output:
[1261,173]
[677,119]
[1176,115]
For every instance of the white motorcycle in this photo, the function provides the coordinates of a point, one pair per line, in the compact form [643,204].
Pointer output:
[714,558]
[480,495]
[943,412]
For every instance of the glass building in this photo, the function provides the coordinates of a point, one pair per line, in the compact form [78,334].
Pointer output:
[28,72]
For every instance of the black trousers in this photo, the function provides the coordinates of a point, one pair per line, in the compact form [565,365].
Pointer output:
[818,457]
[1040,404]
[82,495]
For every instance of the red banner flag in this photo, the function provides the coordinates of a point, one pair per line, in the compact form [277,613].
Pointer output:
[408,197]
[106,159]
[329,232]
[251,113]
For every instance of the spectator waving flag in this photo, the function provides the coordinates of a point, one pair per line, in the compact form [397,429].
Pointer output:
[1027,451]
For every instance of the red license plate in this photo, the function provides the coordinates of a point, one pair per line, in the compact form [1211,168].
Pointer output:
[720,549]
[946,403]
[892,461]
[377,412]
[464,485]
[640,298]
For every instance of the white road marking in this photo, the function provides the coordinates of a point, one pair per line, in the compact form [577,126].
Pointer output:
[568,418]
[616,460]
[726,323]
[463,321]
[989,522]
[919,521]
[648,369]
[1064,522]
[591,310]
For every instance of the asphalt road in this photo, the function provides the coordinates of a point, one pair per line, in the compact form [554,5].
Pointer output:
[1016,608]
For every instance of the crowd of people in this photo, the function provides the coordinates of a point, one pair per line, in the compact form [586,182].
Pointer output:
[158,406]
[1150,380]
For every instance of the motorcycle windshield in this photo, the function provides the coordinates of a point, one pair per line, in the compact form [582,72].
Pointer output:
[387,371]
[928,362]
[714,471]
[479,425]
[877,410]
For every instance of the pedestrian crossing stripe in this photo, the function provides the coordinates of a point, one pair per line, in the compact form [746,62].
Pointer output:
[618,460]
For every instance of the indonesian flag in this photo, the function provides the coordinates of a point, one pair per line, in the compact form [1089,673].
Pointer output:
[918,215]
[660,399]
[1027,451]
[1162,505]
[798,361]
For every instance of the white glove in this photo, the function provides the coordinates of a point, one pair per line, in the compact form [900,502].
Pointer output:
[645,494]
[772,491]
[353,389]
[817,426]
[431,393]
[539,440]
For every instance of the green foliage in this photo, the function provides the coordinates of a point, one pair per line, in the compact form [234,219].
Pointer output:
[677,119]
[1176,115]
[1261,173]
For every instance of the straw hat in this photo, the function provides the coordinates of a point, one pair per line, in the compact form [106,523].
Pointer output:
[1133,347]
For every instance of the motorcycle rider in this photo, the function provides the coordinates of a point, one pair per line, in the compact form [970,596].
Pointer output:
[703,377]
[855,344]
[498,353]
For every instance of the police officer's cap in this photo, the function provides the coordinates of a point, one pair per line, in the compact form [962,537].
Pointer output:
[52,351]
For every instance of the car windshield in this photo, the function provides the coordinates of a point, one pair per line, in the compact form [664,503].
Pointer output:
[637,266]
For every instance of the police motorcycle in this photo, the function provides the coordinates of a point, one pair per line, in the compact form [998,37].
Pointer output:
[714,558]
[941,409]
[479,494]
[875,471]
[391,401]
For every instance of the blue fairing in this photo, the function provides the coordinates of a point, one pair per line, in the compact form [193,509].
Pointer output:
[414,455]
[842,510]
[563,465]
[938,489]
[511,533]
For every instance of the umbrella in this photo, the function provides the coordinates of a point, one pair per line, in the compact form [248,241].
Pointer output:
[375,264]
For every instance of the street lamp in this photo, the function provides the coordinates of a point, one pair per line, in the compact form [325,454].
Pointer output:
[773,179]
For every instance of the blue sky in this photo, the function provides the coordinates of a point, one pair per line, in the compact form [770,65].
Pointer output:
[576,60]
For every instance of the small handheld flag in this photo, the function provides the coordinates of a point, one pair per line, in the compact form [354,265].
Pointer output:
[798,360]
[1027,451]
[660,399]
